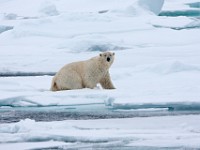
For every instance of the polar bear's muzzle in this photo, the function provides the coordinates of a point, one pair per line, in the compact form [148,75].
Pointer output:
[108,59]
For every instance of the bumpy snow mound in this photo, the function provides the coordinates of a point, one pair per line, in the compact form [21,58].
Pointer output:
[169,67]
[104,47]
[5,28]
[20,127]
[154,6]
[49,9]
[10,16]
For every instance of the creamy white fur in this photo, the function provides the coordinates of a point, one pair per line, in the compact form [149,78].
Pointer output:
[85,74]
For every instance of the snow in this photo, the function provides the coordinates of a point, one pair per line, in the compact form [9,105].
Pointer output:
[175,131]
[157,68]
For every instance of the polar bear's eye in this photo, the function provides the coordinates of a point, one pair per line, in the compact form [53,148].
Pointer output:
[105,55]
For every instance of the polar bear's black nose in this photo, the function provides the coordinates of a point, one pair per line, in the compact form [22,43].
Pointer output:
[108,59]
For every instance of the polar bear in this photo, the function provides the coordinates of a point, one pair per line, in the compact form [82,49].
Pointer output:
[85,74]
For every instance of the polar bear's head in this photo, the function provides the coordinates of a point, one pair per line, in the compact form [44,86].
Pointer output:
[107,58]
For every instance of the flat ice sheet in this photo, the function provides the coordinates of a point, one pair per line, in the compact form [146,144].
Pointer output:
[167,132]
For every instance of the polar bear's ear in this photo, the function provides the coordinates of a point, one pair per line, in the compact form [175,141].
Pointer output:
[100,55]
[113,54]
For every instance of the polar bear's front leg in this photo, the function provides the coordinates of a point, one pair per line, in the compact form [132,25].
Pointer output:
[106,82]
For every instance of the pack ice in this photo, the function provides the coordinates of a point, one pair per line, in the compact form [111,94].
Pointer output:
[157,67]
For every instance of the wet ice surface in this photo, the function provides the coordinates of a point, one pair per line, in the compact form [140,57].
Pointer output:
[91,111]
[24,74]
[111,146]
[118,148]
[194,5]
[187,13]
[105,146]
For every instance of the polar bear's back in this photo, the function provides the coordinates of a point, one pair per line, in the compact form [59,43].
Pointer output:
[68,77]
